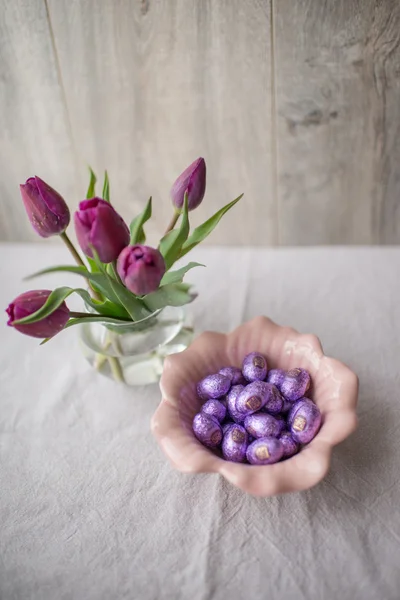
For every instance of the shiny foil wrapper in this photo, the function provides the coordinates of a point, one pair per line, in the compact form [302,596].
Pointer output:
[213,386]
[265,451]
[254,367]
[234,444]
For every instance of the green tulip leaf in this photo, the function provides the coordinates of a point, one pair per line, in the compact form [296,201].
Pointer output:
[91,319]
[106,307]
[133,305]
[174,294]
[106,188]
[59,269]
[112,288]
[91,191]
[100,280]
[138,235]
[53,302]
[171,244]
[88,319]
[178,275]
[204,230]
[92,264]
[57,297]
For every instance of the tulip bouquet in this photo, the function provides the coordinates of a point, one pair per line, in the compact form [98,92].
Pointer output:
[126,280]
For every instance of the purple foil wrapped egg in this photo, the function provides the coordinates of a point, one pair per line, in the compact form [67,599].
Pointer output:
[254,367]
[234,443]
[207,430]
[296,384]
[276,377]
[262,425]
[231,403]
[234,374]
[252,398]
[215,408]
[213,386]
[290,447]
[304,420]
[265,451]
[275,399]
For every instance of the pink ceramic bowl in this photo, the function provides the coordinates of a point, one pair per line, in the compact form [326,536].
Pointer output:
[335,391]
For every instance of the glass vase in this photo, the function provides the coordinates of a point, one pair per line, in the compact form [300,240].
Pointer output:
[134,352]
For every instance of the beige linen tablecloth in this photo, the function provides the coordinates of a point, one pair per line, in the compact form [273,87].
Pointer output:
[91,510]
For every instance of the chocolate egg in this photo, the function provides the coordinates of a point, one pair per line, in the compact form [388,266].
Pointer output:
[290,447]
[234,443]
[235,375]
[275,400]
[254,396]
[304,420]
[231,403]
[295,384]
[276,377]
[254,367]
[215,408]
[207,430]
[261,425]
[265,451]
[213,386]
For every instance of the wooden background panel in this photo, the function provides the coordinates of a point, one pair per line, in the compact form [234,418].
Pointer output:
[35,137]
[337,67]
[152,85]
[295,103]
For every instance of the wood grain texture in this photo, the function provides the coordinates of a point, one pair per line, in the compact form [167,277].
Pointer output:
[152,85]
[337,90]
[295,103]
[34,129]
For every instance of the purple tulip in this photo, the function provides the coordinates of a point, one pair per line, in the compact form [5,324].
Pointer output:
[99,226]
[28,303]
[47,210]
[192,181]
[141,269]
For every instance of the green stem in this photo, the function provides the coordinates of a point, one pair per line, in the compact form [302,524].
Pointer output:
[113,361]
[115,272]
[116,369]
[72,249]
[79,261]
[173,221]
[84,315]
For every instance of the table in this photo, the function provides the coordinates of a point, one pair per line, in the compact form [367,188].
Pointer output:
[91,510]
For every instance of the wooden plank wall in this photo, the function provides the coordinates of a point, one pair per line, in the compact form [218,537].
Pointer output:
[295,103]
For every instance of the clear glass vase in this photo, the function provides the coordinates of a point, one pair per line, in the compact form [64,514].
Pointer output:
[134,353]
